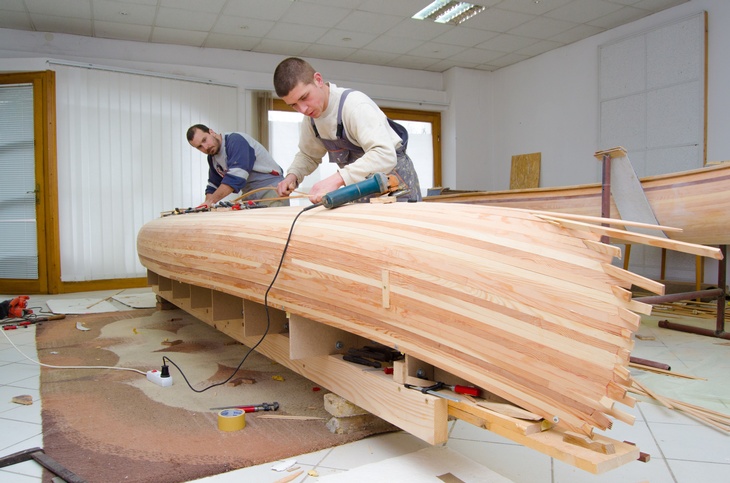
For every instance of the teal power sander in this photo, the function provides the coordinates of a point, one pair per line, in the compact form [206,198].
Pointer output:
[377,184]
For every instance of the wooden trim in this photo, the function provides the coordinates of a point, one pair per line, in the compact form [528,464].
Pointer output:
[44,127]
[94,285]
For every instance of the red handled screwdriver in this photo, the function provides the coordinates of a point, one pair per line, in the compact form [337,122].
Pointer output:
[468,390]
[252,408]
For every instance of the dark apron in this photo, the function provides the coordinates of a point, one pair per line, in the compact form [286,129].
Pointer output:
[343,152]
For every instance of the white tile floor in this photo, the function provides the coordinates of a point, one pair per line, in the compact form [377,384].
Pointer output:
[682,450]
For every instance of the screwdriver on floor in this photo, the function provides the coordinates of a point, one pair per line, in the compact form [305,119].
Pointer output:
[252,408]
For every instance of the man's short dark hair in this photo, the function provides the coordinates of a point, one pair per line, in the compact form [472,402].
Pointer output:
[191,130]
[290,72]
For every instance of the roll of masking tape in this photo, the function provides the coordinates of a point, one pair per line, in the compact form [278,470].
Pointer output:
[231,420]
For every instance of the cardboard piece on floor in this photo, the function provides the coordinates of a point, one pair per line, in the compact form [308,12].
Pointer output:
[80,306]
[138,300]
[433,464]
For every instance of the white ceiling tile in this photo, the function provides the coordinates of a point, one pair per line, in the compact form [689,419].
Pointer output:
[507,43]
[401,8]
[379,32]
[497,20]
[576,33]
[194,5]
[64,25]
[477,56]
[508,59]
[175,36]
[233,42]
[583,11]
[282,47]
[266,10]
[658,5]
[446,64]
[62,8]
[411,62]
[120,12]
[465,37]
[122,31]
[419,29]
[539,48]
[335,3]
[620,17]
[368,22]
[14,5]
[175,18]
[531,6]
[140,2]
[396,45]
[343,38]
[363,56]
[542,28]
[11,19]
[232,25]
[433,50]
[317,15]
[295,33]
[329,52]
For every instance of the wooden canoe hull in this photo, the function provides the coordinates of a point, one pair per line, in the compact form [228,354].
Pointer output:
[517,305]
[696,201]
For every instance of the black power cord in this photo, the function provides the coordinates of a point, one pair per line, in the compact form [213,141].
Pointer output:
[165,369]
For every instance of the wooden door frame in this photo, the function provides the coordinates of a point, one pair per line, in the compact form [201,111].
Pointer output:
[44,131]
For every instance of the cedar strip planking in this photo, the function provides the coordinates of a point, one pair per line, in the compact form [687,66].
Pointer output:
[695,201]
[513,291]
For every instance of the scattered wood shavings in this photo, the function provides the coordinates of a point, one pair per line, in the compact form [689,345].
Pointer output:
[171,343]
[80,326]
[240,380]
[278,378]
[313,473]
[24,399]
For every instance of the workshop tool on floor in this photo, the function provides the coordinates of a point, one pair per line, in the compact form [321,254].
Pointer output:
[362,361]
[378,353]
[28,321]
[377,184]
[40,457]
[466,390]
[252,408]
[15,308]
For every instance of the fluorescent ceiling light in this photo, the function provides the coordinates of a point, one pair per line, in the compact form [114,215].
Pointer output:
[448,11]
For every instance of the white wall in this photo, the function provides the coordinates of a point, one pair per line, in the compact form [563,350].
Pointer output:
[550,104]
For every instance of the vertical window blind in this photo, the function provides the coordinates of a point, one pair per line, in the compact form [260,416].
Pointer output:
[18,243]
[123,158]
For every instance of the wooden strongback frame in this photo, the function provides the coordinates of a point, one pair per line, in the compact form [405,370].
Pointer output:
[310,351]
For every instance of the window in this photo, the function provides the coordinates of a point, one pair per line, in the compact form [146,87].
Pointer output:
[424,143]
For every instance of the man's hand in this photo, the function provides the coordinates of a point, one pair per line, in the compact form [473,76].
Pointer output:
[325,186]
[213,198]
[288,185]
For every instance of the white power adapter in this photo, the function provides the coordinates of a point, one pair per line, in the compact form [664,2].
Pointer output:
[156,376]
